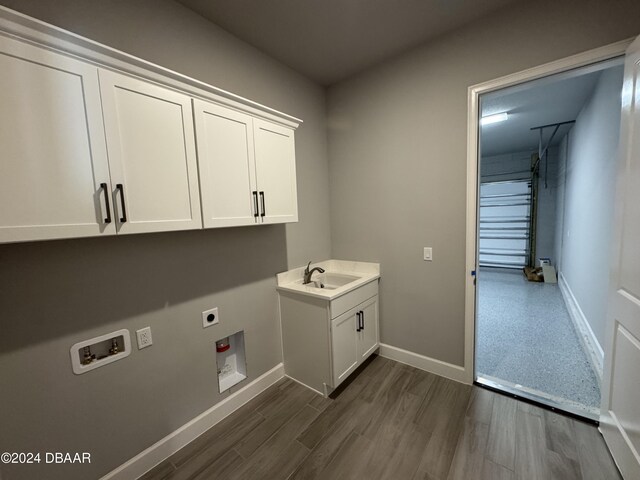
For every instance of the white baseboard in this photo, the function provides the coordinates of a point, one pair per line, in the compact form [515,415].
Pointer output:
[164,448]
[444,369]
[587,338]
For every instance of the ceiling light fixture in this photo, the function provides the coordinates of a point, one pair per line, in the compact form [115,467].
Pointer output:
[498,117]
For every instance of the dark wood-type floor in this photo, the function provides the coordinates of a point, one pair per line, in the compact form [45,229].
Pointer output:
[391,422]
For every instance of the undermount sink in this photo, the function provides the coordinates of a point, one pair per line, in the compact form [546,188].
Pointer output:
[331,280]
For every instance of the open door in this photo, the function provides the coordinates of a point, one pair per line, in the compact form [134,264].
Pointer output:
[620,417]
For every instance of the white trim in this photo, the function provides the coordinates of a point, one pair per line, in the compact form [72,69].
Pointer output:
[541,397]
[588,340]
[16,24]
[444,369]
[582,59]
[164,448]
[471,249]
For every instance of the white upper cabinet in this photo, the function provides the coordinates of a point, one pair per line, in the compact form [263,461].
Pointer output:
[96,142]
[54,176]
[226,163]
[275,172]
[247,168]
[152,156]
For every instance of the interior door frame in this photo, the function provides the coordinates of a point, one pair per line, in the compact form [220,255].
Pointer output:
[596,55]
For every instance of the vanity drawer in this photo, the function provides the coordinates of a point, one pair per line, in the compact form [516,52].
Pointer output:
[352,299]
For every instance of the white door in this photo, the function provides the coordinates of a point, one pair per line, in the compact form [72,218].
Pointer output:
[620,418]
[368,335]
[276,172]
[54,176]
[344,344]
[226,164]
[152,155]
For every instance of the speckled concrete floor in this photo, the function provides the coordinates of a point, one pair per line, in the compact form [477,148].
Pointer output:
[525,336]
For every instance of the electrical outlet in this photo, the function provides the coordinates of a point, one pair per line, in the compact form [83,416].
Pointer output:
[144,337]
[428,254]
[210,317]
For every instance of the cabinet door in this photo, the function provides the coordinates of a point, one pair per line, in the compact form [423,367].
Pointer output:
[368,335]
[276,172]
[226,164]
[344,344]
[53,158]
[152,155]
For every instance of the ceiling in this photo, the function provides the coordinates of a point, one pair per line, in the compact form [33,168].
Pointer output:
[330,40]
[549,100]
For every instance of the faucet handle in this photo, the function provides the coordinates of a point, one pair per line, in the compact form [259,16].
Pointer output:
[306,270]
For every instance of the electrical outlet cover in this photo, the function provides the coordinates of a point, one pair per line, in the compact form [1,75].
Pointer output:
[210,317]
[144,337]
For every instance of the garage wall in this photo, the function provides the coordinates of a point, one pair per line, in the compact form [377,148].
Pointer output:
[590,152]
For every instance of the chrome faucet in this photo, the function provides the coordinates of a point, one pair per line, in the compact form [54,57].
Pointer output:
[308,273]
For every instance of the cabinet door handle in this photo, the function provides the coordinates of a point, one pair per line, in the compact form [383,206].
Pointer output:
[358,322]
[120,188]
[255,204]
[264,211]
[362,319]
[104,187]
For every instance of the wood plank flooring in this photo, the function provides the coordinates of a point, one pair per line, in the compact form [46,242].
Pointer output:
[391,421]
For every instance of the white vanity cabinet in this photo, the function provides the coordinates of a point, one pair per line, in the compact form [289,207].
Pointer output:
[152,155]
[54,175]
[369,335]
[354,336]
[325,340]
[247,168]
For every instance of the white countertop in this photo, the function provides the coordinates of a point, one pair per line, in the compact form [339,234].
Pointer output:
[291,281]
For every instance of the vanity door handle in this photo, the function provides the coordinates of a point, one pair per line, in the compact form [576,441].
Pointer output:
[120,188]
[104,187]
[362,319]
[255,204]
[358,322]
[264,211]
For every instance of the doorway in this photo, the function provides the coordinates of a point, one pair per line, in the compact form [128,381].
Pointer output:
[546,178]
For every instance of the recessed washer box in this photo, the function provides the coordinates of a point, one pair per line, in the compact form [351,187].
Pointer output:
[100,348]
[231,363]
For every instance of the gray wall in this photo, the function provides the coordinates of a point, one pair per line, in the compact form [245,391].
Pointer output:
[53,294]
[589,195]
[561,176]
[397,149]
[546,222]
